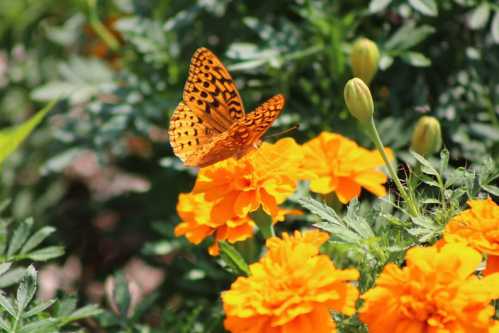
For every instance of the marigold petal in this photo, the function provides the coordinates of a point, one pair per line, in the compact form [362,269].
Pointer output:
[492,265]
[347,190]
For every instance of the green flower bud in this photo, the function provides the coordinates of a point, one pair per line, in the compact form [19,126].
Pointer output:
[364,59]
[359,100]
[427,136]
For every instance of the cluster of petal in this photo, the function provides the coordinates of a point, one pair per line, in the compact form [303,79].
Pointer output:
[337,164]
[479,228]
[291,289]
[435,292]
[266,177]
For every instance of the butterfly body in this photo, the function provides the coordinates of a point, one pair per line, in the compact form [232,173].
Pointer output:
[210,124]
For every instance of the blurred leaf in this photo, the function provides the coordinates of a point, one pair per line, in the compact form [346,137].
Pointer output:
[6,304]
[26,289]
[233,259]
[12,276]
[42,326]
[37,238]
[426,166]
[495,27]
[479,16]
[65,306]
[69,33]
[121,294]
[426,7]
[494,190]
[20,236]
[11,138]
[4,325]
[4,267]
[81,79]
[408,36]
[84,312]
[39,308]
[416,59]
[378,5]
[46,253]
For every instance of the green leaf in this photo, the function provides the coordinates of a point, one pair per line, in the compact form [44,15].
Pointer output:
[426,166]
[46,253]
[4,325]
[416,59]
[425,7]
[478,18]
[6,304]
[26,289]
[121,294]
[408,36]
[378,5]
[12,137]
[39,308]
[37,238]
[20,236]
[494,190]
[11,277]
[41,326]
[90,310]
[233,259]
[66,306]
[264,222]
[4,267]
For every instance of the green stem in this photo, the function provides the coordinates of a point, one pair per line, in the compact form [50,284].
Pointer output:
[100,28]
[373,134]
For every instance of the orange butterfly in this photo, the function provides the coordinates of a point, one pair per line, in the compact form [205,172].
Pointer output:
[209,124]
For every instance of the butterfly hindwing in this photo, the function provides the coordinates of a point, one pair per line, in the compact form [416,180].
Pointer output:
[188,133]
[210,91]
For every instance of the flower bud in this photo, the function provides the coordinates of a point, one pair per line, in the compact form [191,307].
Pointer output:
[427,136]
[358,99]
[364,59]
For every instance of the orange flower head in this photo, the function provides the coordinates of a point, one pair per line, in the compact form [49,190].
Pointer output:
[479,228]
[264,177]
[291,289]
[197,225]
[435,292]
[337,164]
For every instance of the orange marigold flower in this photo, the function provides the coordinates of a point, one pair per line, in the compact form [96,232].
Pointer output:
[266,177]
[337,164]
[291,289]
[197,224]
[435,292]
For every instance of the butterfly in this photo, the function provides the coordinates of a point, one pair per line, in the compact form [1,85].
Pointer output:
[209,124]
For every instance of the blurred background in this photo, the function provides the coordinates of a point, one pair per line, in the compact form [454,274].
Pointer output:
[100,169]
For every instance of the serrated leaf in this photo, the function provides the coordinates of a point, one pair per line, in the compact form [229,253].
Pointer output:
[378,5]
[46,253]
[121,294]
[233,259]
[426,166]
[39,308]
[20,236]
[425,7]
[7,305]
[11,277]
[43,325]
[37,238]
[90,310]
[12,137]
[26,289]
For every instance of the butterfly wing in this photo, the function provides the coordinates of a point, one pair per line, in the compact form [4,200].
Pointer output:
[210,91]
[188,134]
[242,136]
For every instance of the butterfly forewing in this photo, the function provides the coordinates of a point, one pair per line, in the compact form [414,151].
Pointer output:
[210,91]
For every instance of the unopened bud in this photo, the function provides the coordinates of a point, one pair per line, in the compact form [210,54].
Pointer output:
[427,136]
[364,59]
[359,100]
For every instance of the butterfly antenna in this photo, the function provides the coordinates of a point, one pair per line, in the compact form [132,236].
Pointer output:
[292,128]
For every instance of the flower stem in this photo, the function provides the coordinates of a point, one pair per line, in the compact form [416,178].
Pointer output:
[100,28]
[373,134]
